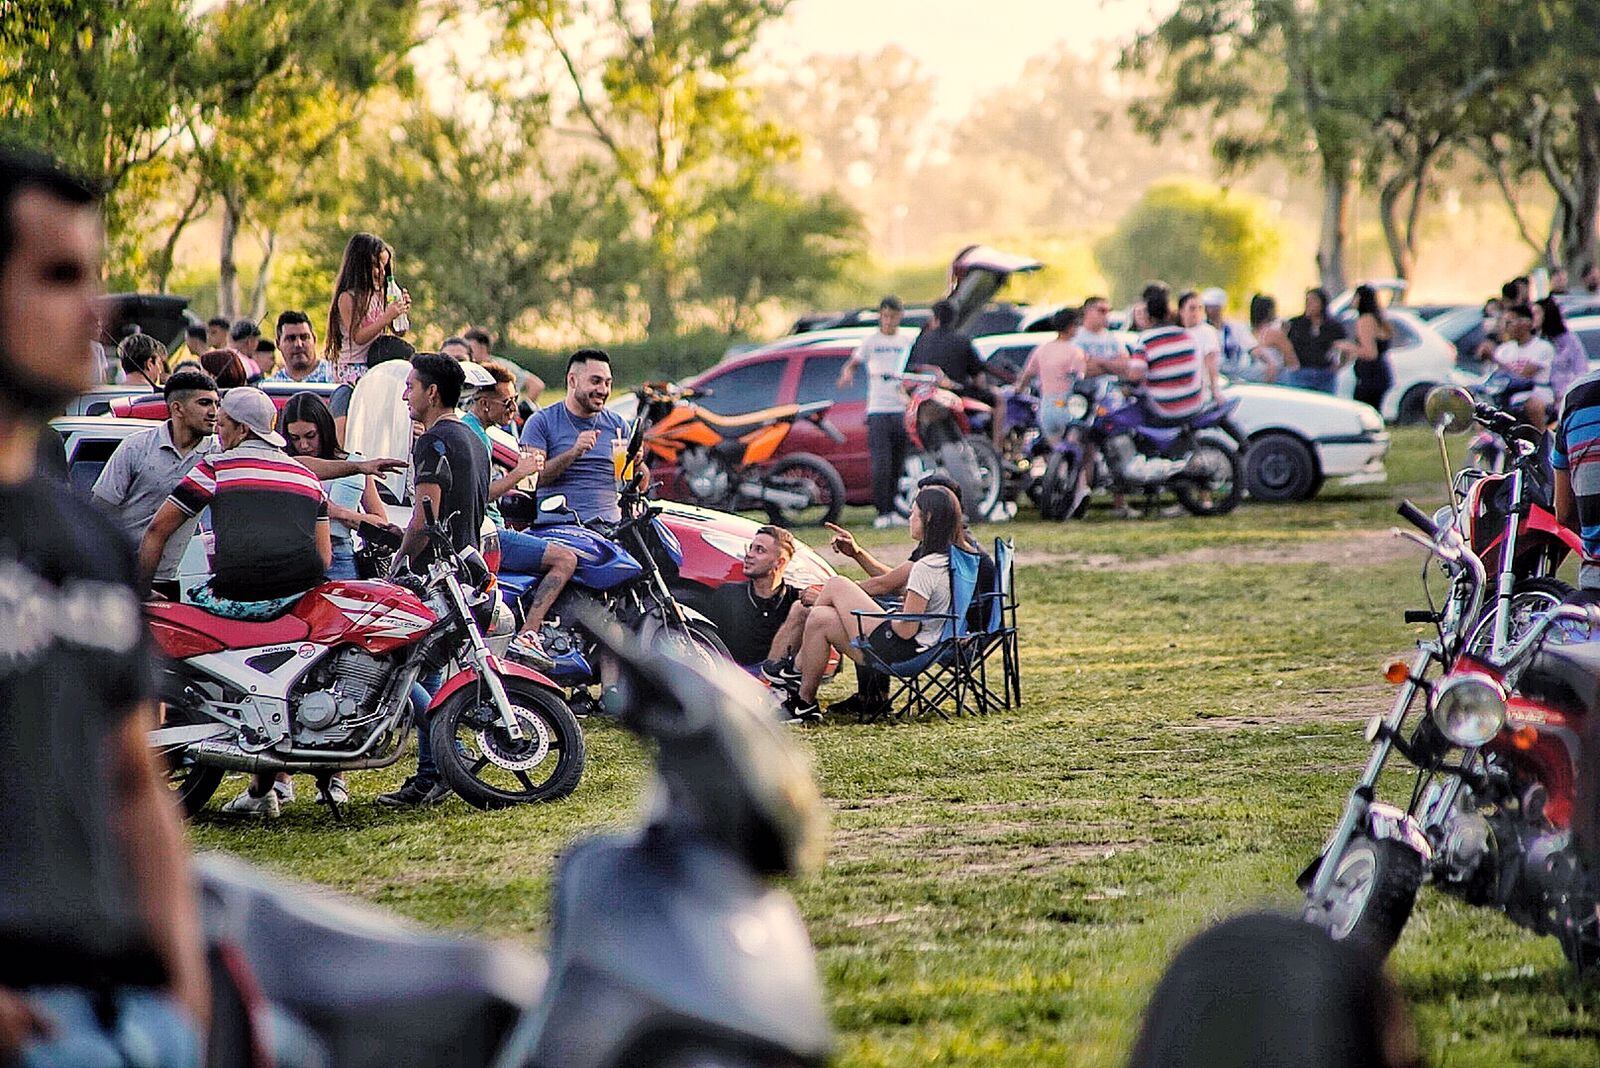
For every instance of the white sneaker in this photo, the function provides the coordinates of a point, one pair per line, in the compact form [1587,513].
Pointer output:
[335,793]
[284,788]
[883,522]
[246,805]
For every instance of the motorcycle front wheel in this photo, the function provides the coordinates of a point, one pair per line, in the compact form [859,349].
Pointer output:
[1058,491]
[480,760]
[813,476]
[1374,887]
[1531,600]
[1213,482]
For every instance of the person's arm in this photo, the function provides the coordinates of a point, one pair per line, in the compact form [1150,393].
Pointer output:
[887,583]
[914,604]
[116,479]
[1029,370]
[327,470]
[415,539]
[1365,346]
[1566,503]
[847,373]
[556,466]
[366,333]
[527,464]
[152,838]
[844,543]
[325,539]
[372,501]
[168,518]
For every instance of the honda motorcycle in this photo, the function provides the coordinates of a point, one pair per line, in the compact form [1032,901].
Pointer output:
[948,432]
[623,573]
[1110,443]
[326,688]
[1497,751]
[1490,450]
[728,462]
[669,945]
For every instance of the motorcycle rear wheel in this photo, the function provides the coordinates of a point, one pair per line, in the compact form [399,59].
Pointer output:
[1222,490]
[1374,889]
[815,475]
[483,764]
[191,784]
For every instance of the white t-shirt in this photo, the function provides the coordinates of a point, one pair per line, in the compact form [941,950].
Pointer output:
[1207,340]
[1537,351]
[885,358]
[930,577]
[1100,344]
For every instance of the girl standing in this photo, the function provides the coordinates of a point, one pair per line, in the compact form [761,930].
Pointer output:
[1371,348]
[360,311]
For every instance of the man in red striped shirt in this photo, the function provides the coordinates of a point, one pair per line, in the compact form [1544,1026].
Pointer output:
[1167,360]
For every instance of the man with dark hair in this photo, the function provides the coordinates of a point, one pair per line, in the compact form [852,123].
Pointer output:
[143,358]
[576,437]
[478,342]
[751,614]
[217,333]
[194,345]
[302,360]
[451,472]
[243,338]
[101,959]
[952,356]
[457,348]
[146,467]
[883,353]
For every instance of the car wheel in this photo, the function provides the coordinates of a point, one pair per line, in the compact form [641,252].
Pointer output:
[1410,412]
[1279,467]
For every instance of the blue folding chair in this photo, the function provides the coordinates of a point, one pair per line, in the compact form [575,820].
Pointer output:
[998,606]
[943,671]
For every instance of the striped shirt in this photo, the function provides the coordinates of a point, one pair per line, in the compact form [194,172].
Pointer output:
[1173,381]
[1577,452]
[265,508]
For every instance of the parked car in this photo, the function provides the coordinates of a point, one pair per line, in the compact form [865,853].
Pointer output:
[1587,327]
[1298,438]
[142,404]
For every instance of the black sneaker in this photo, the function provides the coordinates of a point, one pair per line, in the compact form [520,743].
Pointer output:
[801,712]
[781,672]
[415,793]
[861,706]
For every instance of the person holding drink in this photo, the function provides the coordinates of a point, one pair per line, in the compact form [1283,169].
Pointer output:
[576,435]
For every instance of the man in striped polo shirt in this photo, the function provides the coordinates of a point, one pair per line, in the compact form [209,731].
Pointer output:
[1576,459]
[1167,360]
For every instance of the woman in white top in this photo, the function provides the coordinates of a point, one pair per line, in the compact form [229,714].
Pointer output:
[360,311]
[832,624]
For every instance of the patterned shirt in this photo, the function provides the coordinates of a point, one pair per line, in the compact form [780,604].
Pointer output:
[322,372]
[1577,452]
[265,508]
[1172,371]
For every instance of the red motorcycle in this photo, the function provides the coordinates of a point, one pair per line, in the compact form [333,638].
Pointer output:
[326,688]
[942,426]
[1497,752]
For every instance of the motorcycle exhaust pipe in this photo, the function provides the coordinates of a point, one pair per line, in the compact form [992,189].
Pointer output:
[231,758]
[785,498]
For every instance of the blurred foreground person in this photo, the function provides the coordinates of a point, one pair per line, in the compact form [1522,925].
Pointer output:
[100,956]
[1266,991]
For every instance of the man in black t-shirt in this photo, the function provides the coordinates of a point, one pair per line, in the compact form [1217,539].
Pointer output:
[751,614]
[100,951]
[451,471]
[941,350]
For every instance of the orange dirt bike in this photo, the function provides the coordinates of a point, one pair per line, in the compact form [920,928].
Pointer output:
[727,461]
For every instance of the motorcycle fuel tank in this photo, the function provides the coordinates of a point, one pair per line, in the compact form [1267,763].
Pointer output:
[602,564]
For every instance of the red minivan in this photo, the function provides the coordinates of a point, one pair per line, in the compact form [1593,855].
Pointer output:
[800,376]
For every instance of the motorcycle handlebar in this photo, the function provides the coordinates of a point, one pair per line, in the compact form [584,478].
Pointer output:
[1417,518]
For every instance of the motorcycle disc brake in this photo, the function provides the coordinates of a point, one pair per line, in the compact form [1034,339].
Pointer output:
[504,752]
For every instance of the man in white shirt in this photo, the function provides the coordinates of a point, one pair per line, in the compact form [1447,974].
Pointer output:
[1528,358]
[884,355]
[1207,342]
[1095,338]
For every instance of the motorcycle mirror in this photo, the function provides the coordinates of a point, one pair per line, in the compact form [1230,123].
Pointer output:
[556,502]
[1374,728]
[1449,409]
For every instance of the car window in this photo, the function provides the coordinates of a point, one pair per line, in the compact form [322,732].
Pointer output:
[1591,342]
[1009,359]
[1404,336]
[747,388]
[89,458]
[818,378]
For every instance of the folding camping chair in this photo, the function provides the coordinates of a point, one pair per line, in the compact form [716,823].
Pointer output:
[999,634]
[941,672]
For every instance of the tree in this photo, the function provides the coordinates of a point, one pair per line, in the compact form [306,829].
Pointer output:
[661,90]
[103,85]
[771,243]
[1261,74]
[1190,233]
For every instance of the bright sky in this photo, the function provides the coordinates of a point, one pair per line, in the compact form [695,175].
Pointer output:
[969,46]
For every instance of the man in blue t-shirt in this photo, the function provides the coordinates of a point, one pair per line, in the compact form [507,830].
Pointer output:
[576,438]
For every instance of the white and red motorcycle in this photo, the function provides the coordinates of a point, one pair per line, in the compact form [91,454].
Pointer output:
[326,687]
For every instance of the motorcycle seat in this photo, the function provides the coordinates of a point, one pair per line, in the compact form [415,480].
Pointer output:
[375,989]
[1565,677]
[234,633]
[749,420]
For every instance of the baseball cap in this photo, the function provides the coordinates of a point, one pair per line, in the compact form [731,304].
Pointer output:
[475,377]
[255,410]
[1214,298]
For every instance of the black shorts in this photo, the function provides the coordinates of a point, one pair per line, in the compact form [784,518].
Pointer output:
[890,647]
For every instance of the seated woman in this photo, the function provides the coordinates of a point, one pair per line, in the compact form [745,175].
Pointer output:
[306,425]
[936,524]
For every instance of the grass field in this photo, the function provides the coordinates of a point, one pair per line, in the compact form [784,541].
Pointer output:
[1007,891]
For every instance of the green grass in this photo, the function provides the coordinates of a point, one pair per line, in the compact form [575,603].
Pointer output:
[1007,891]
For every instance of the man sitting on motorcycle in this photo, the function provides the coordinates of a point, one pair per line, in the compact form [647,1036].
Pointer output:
[1529,359]
[577,435]
[941,351]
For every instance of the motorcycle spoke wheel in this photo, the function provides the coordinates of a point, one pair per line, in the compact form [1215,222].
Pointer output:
[1212,483]
[812,476]
[1374,888]
[1531,600]
[191,784]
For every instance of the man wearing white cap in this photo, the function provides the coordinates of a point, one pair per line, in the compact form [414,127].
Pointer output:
[1234,357]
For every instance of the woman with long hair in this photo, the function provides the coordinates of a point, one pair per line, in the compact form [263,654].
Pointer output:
[360,312]
[1270,341]
[1571,362]
[307,426]
[832,624]
[1370,349]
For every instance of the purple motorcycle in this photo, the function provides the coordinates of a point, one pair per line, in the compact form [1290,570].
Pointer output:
[1113,442]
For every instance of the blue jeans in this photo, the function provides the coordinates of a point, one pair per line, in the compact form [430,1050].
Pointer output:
[149,1031]
[344,562]
[422,693]
[521,553]
[1322,379]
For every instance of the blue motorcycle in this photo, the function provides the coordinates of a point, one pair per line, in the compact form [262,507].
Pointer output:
[623,572]
[1113,442]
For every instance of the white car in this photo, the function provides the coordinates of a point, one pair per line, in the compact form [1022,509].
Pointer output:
[1420,357]
[1298,438]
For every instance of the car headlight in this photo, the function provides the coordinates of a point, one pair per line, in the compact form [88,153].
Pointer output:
[1077,406]
[1370,419]
[1469,709]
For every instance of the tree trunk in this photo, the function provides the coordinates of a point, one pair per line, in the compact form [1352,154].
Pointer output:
[227,269]
[258,292]
[1335,232]
[1578,228]
[1401,252]
[163,263]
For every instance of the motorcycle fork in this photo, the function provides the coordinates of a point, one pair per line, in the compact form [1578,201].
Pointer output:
[478,653]
[1508,574]
[1361,798]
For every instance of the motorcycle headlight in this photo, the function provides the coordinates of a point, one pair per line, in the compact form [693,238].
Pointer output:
[1077,406]
[1469,709]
